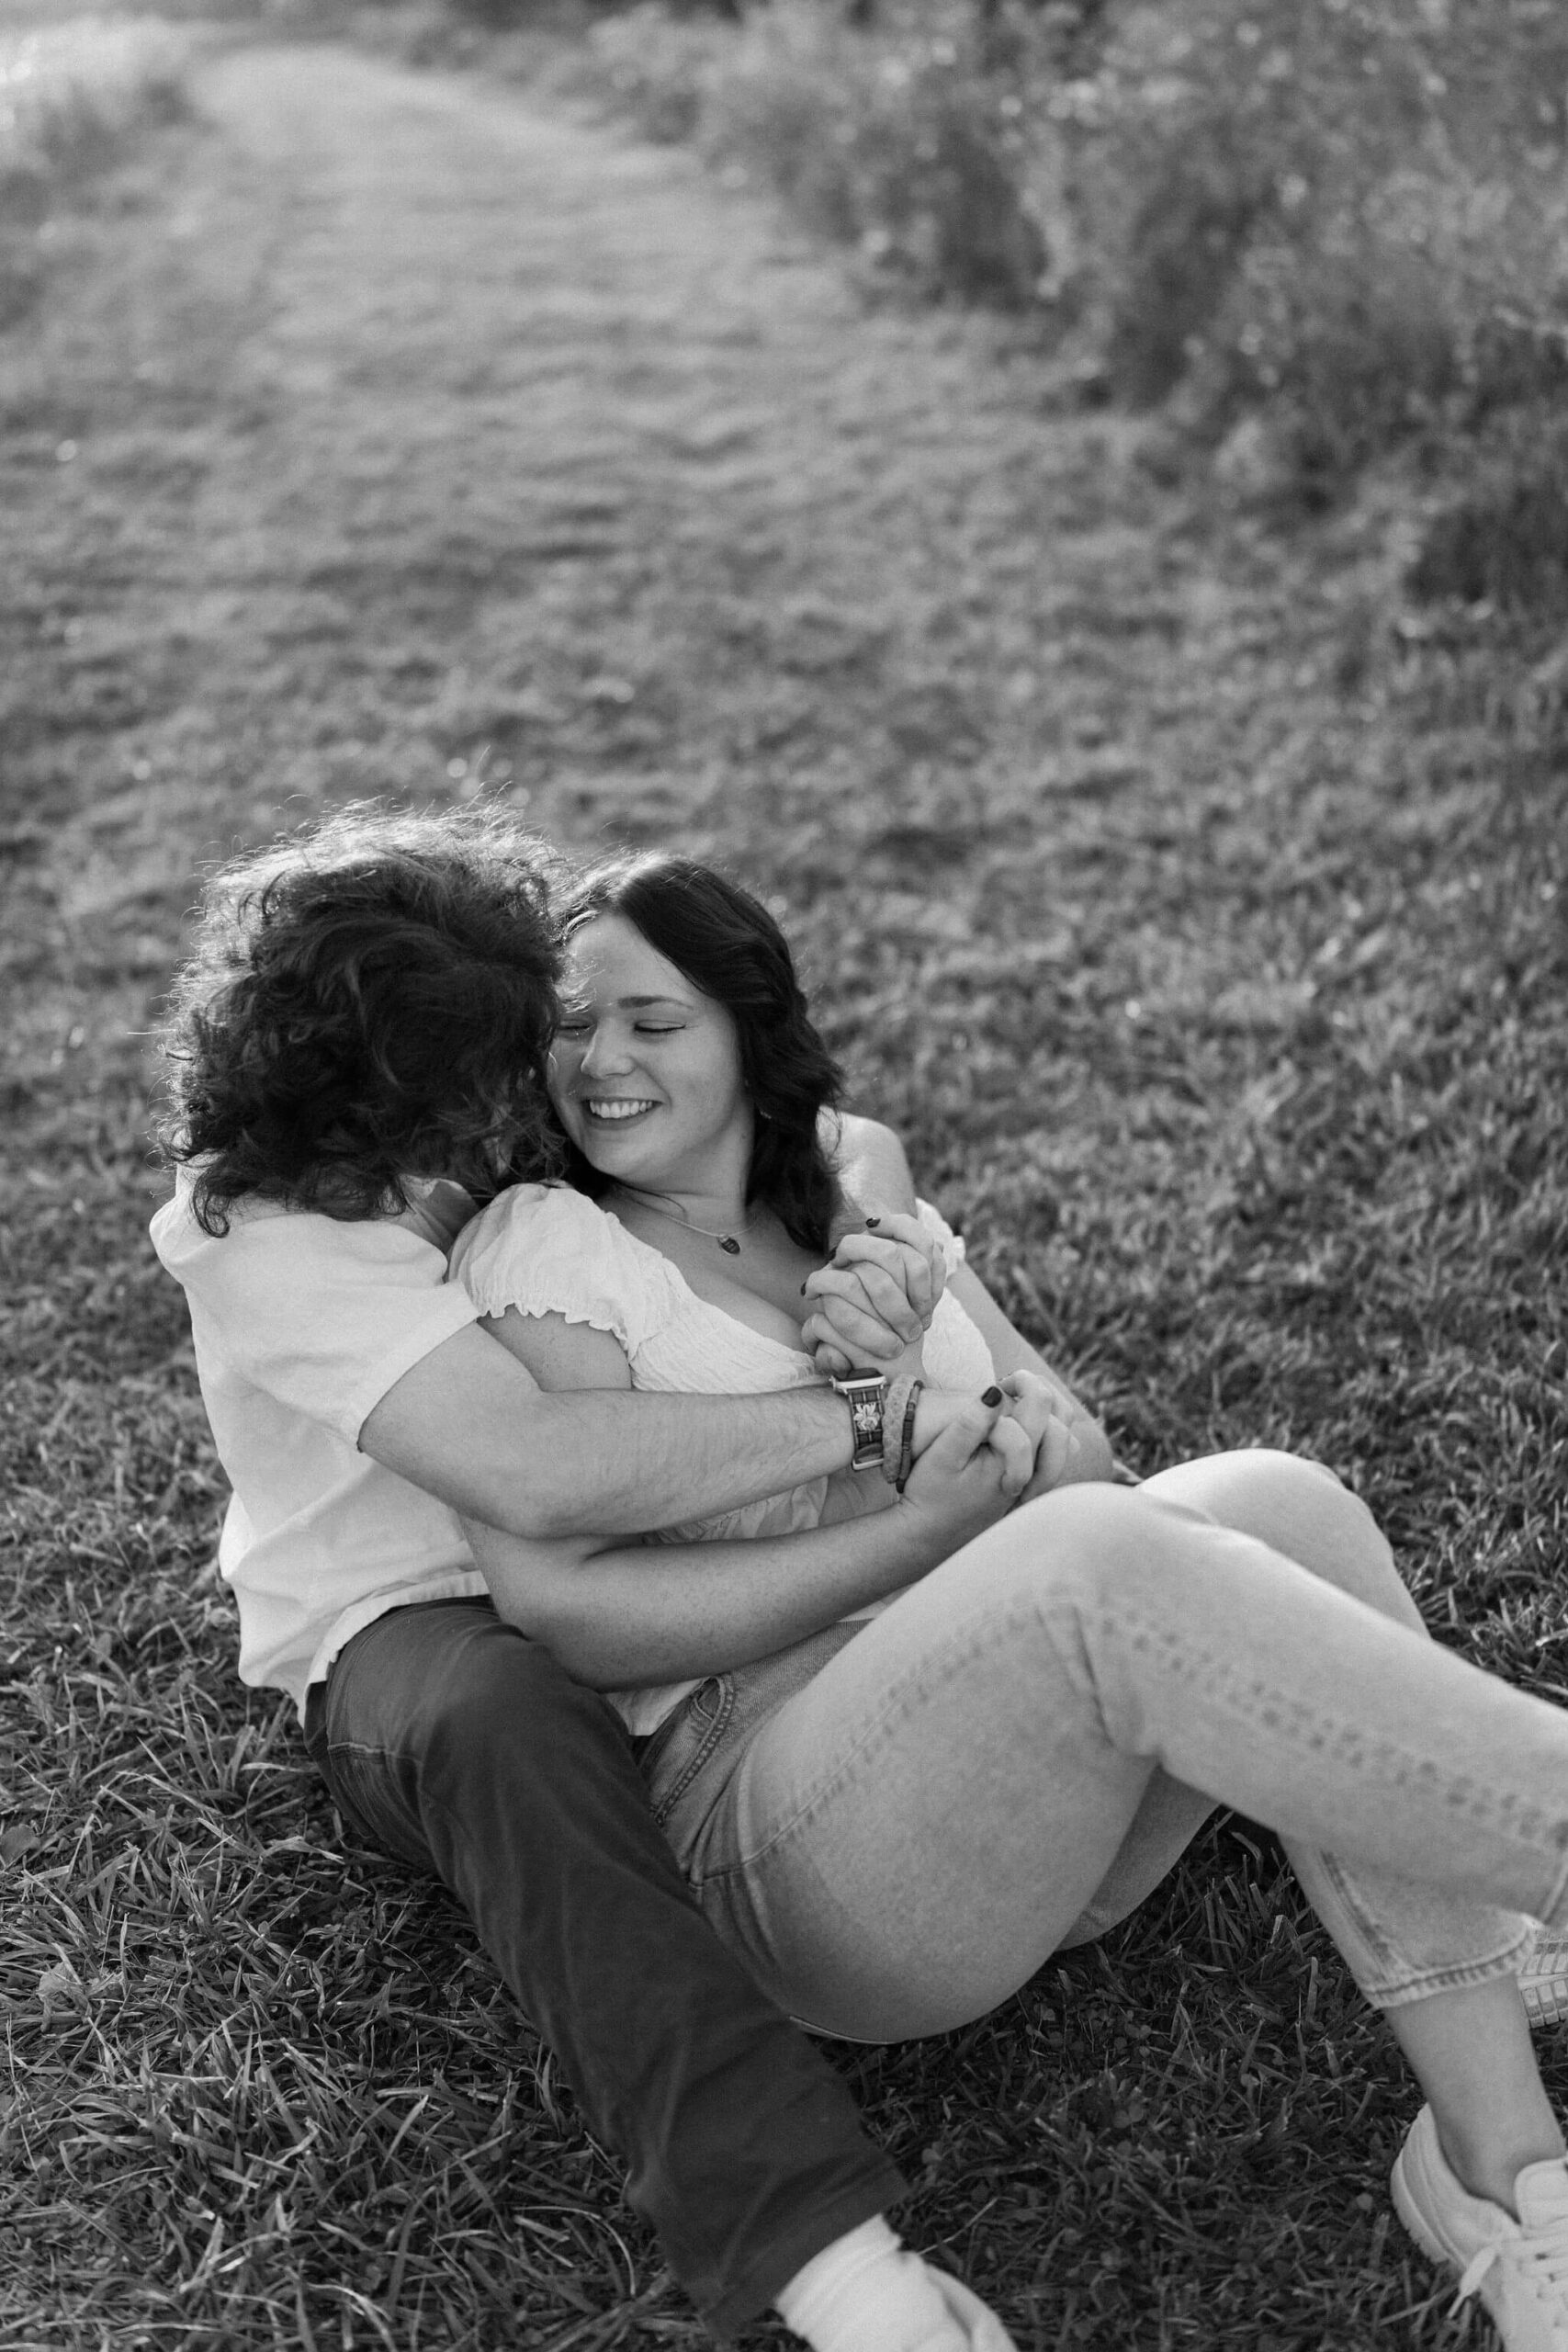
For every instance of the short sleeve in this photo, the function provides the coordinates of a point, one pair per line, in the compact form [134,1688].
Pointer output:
[325,1316]
[937,1226]
[546,1250]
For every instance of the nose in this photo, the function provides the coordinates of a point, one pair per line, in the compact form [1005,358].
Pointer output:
[603,1055]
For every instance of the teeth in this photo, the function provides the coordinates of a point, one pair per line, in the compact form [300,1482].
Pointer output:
[615,1108]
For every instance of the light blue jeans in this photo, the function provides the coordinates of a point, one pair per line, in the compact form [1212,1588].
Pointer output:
[895,1823]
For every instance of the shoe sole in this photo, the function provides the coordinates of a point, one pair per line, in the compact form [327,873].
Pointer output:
[1411,2216]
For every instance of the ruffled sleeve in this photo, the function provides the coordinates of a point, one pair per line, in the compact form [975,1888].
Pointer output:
[546,1250]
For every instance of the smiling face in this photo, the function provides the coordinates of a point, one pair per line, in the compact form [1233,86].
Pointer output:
[645,1070]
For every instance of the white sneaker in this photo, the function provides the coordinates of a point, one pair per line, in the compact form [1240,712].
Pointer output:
[1519,2269]
[1543,1978]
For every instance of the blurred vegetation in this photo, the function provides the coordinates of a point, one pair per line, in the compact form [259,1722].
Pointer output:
[70,92]
[1304,236]
[72,95]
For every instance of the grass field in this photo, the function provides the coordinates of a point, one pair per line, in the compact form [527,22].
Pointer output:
[1191,897]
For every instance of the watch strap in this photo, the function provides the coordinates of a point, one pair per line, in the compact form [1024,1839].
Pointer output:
[865,1394]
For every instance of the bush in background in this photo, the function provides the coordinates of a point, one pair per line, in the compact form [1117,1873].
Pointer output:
[898,145]
[1353,213]
[1503,541]
[69,94]
[1312,233]
[1350,238]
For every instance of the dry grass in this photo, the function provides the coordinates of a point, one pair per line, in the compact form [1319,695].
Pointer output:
[1194,901]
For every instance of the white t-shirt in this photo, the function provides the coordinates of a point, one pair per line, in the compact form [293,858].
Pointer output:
[302,1325]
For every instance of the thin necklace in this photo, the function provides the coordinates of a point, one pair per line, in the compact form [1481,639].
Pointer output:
[727,1242]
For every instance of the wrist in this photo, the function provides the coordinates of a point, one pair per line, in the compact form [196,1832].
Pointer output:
[935,1410]
[824,1440]
[921,1539]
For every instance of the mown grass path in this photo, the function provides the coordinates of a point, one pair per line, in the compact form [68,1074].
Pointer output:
[628,478]
[380,432]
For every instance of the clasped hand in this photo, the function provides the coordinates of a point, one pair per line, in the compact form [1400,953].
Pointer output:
[874,1302]
[1036,1409]
[1013,1444]
[875,1297]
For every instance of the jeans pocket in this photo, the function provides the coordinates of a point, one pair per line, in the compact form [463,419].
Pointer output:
[680,1748]
[366,1786]
[714,1728]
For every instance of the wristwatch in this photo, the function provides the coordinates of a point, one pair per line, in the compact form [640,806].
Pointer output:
[865,1393]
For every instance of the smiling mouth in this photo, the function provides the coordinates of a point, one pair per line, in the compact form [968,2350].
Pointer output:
[615,1110]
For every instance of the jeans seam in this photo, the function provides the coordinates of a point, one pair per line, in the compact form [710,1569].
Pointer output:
[704,1750]
[1366,1928]
[1421,1984]
[1322,1728]
[1554,1900]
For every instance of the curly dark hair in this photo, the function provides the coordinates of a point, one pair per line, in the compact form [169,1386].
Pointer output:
[728,945]
[369,1000]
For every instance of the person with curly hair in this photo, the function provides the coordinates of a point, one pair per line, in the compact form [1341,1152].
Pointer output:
[358,1052]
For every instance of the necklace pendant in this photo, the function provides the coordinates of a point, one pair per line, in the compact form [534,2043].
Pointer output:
[728,1244]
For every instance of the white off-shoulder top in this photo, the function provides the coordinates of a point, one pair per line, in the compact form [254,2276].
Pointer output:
[546,1250]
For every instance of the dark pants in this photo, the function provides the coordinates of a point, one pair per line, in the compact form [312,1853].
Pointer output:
[463,1748]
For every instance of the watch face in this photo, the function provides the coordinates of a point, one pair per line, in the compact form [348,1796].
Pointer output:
[865,1402]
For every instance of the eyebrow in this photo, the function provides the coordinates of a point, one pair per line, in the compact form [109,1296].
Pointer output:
[633,1003]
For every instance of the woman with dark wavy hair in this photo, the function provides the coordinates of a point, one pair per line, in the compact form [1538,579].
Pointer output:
[728,945]
[894,1804]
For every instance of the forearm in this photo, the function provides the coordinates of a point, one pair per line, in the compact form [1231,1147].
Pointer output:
[871,1166]
[627,1462]
[659,1613]
[471,1427]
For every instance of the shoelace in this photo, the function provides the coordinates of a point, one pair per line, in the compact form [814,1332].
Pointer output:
[1542,2254]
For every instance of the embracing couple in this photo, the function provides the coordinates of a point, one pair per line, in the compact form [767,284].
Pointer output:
[670,1543]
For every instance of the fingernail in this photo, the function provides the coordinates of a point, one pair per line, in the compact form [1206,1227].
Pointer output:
[991,1396]
[874,1220]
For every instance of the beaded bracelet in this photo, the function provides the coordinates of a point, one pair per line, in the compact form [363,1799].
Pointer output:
[907,1439]
[898,1430]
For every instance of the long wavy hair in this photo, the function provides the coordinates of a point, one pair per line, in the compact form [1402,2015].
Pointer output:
[371,1001]
[728,945]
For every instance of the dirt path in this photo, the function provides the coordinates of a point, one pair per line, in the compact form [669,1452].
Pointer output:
[572,455]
